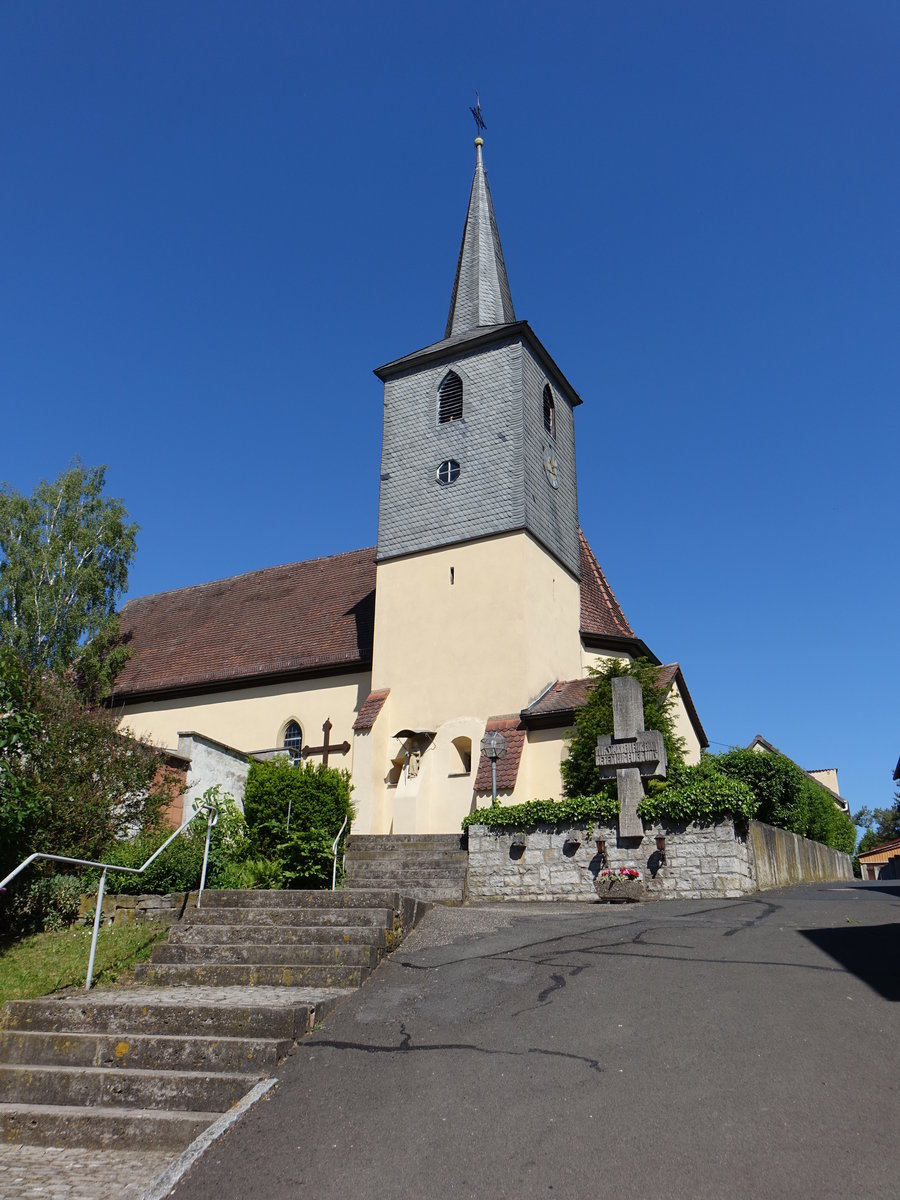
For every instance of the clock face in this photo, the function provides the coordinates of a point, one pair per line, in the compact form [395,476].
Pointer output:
[551,468]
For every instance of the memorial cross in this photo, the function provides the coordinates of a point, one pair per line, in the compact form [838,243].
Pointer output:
[630,753]
[326,748]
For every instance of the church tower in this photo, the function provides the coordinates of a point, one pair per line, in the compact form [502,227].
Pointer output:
[478,559]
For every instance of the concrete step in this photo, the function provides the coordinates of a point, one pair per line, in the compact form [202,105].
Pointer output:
[100,1128]
[151,1052]
[201,933]
[245,975]
[438,892]
[181,1090]
[292,955]
[141,1017]
[361,918]
[360,871]
[299,900]
[408,841]
[415,858]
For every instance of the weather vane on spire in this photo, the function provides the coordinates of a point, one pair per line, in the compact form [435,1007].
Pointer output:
[476,113]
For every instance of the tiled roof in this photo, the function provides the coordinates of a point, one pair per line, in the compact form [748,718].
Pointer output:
[307,616]
[601,615]
[371,707]
[303,617]
[556,707]
[508,766]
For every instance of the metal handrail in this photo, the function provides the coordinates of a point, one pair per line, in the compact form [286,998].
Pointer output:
[334,850]
[206,808]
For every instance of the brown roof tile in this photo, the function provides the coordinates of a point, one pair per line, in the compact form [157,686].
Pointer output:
[508,766]
[300,617]
[601,614]
[368,713]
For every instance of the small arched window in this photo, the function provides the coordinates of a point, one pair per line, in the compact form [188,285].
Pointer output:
[450,398]
[463,758]
[293,742]
[549,411]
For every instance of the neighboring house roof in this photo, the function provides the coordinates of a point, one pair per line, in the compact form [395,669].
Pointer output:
[368,713]
[897,770]
[508,766]
[759,740]
[304,618]
[881,853]
[307,617]
[556,706]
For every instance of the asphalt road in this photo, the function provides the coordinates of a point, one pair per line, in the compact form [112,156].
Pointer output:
[721,1049]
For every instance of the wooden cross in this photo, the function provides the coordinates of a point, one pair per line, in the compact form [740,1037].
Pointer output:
[326,748]
[630,753]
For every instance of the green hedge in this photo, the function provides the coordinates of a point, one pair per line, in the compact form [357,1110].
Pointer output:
[700,793]
[788,798]
[601,808]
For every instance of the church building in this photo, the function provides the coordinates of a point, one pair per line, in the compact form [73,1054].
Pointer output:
[480,609]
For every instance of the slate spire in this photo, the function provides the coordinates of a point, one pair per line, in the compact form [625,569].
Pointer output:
[481,294]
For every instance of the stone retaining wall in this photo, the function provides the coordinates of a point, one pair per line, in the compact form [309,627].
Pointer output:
[701,861]
[561,864]
[118,910]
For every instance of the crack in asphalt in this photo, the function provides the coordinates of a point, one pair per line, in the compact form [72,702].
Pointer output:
[547,952]
[407,1046]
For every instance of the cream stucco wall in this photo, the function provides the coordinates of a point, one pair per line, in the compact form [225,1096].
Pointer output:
[461,634]
[683,727]
[254,718]
[488,642]
[596,658]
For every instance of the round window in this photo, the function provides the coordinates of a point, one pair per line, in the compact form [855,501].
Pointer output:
[448,471]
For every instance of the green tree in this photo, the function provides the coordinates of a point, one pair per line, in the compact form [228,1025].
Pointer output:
[64,558]
[70,783]
[579,769]
[881,824]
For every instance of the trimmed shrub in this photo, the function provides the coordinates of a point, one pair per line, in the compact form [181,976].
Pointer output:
[318,800]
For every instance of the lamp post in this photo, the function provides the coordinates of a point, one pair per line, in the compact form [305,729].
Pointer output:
[493,745]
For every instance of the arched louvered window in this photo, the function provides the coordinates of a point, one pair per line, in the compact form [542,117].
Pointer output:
[549,411]
[450,400]
[293,741]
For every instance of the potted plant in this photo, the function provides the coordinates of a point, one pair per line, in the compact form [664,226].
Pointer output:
[619,885]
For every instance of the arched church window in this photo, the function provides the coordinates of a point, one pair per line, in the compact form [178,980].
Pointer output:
[549,411]
[293,742]
[450,398]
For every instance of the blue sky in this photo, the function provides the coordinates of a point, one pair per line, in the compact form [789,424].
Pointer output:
[217,218]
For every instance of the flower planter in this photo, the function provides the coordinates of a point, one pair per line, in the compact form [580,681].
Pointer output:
[613,890]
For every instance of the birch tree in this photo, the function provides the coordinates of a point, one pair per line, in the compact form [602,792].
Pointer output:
[64,558]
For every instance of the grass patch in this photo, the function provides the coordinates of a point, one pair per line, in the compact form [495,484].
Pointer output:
[47,962]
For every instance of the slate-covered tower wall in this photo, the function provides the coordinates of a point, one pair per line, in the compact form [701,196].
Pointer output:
[501,446]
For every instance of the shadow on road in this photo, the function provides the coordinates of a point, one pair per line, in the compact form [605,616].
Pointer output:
[870,952]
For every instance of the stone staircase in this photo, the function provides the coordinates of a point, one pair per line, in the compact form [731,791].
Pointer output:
[430,867]
[213,1012]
